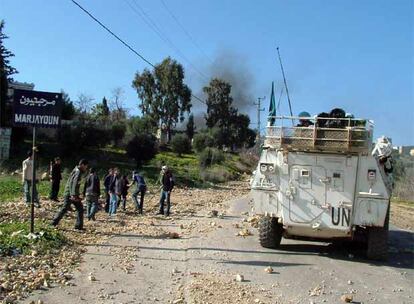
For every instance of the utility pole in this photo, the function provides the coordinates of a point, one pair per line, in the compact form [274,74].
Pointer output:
[259,109]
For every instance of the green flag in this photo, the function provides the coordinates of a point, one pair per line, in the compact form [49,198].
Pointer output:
[272,107]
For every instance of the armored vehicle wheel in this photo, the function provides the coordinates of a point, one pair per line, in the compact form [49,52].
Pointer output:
[377,248]
[270,232]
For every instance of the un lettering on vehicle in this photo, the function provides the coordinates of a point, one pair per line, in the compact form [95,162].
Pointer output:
[341,216]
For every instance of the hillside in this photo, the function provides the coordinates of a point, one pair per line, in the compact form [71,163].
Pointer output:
[186,169]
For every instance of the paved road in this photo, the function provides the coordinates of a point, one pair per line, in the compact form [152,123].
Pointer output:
[163,270]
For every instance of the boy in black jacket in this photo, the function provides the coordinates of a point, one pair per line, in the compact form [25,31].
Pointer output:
[55,178]
[167,185]
[91,192]
[107,182]
[72,195]
[124,186]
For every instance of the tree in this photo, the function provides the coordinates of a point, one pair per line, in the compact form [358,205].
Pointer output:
[68,109]
[190,128]
[219,104]
[163,94]
[6,71]
[210,156]
[202,140]
[118,111]
[105,108]
[118,132]
[138,125]
[241,135]
[142,147]
[180,144]
[228,127]
[84,104]
[5,54]
[100,111]
[3,93]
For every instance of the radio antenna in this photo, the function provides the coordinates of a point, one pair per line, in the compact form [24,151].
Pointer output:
[284,80]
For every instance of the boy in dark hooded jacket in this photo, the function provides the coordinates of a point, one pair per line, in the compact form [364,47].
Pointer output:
[91,192]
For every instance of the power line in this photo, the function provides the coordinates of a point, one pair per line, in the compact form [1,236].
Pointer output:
[153,26]
[184,30]
[123,42]
[112,33]
[284,80]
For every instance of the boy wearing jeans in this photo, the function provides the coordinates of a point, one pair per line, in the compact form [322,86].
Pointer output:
[27,167]
[92,191]
[114,192]
[140,190]
[167,184]
[71,195]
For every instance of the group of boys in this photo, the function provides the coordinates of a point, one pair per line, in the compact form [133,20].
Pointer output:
[116,191]
[115,187]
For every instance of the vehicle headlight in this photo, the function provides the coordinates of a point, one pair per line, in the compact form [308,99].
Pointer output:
[267,168]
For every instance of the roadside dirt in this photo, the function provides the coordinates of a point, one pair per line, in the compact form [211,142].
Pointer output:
[20,275]
[402,215]
[201,256]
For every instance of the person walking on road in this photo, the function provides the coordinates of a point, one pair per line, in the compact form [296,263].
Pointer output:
[55,178]
[28,183]
[167,185]
[114,192]
[107,182]
[141,189]
[92,191]
[72,195]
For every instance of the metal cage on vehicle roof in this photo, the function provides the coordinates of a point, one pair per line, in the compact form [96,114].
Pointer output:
[338,135]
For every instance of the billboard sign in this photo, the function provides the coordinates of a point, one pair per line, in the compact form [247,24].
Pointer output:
[37,109]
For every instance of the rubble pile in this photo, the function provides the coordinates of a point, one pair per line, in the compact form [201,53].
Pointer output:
[22,274]
[209,288]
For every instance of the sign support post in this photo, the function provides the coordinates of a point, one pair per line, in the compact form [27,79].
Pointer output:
[34,186]
[39,110]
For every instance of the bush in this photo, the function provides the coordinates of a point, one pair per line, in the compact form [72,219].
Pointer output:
[138,125]
[249,159]
[404,187]
[75,138]
[180,144]
[216,175]
[142,147]
[221,138]
[201,141]
[210,156]
[13,238]
[118,132]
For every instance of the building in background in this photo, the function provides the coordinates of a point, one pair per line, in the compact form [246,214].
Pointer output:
[406,150]
[5,133]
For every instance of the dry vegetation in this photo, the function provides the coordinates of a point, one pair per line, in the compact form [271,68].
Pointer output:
[20,274]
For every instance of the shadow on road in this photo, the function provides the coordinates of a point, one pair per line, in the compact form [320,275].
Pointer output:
[400,251]
[262,263]
[401,244]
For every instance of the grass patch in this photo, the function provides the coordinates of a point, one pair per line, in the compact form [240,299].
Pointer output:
[395,200]
[11,188]
[14,239]
[186,169]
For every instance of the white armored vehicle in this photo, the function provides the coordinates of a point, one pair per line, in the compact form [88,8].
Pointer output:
[324,181]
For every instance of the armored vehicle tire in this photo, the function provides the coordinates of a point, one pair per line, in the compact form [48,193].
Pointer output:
[270,232]
[377,248]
